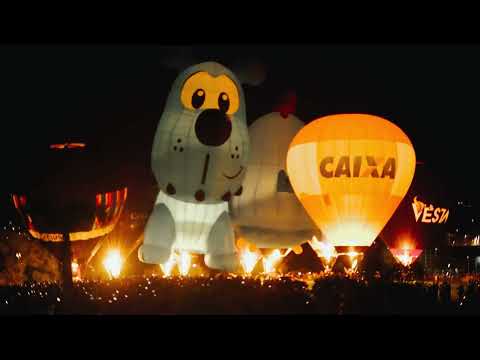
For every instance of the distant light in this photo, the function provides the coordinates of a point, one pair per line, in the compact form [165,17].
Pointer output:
[75,269]
[67,146]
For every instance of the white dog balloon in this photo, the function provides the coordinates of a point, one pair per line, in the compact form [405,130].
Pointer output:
[199,156]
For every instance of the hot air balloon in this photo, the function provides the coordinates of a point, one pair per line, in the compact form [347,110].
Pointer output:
[68,194]
[102,212]
[199,155]
[420,221]
[350,172]
[267,213]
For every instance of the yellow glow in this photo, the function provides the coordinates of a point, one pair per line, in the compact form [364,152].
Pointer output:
[350,233]
[353,255]
[75,270]
[406,254]
[167,268]
[354,265]
[249,255]
[249,259]
[350,172]
[212,88]
[271,261]
[405,258]
[325,251]
[113,263]
[476,241]
[184,261]
[67,145]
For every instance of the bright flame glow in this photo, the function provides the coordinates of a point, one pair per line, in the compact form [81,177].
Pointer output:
[249,255]
[113,263]
[476,241]
[353,255]
[405,258]
[325,251]
[271,261]
[249,259]
[406,255]
[167,268]
[184,261]
[75,270]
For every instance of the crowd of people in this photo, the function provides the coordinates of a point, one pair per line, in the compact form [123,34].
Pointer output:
[230,294]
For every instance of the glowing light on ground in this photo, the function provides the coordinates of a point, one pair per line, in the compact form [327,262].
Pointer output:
[406,255]
[353,256]
[325,251]
[249,255]
[75,270]
[184,261]
[113,263]
[271,261]
[167,268]
[476,241]
[249,259]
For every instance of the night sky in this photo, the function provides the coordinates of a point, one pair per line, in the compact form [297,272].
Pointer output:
[112,96]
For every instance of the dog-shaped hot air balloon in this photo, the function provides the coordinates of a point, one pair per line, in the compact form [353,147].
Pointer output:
[199,156]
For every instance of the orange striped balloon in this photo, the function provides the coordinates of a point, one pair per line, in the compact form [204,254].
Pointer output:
[350,172]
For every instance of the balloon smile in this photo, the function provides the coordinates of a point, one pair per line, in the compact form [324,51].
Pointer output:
[205,168]
[234,176]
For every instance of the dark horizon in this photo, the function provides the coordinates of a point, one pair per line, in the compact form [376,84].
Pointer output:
[112,96]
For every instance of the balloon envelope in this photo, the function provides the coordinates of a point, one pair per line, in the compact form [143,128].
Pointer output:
[267,212]
[423,217]
[350,172]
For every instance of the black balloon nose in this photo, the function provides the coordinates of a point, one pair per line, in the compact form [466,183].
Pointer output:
[213,127]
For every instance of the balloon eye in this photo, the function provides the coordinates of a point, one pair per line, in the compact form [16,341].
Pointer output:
[223,102]
[198,98]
